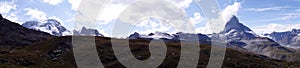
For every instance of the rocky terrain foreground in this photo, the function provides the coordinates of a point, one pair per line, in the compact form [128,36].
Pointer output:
[57,52]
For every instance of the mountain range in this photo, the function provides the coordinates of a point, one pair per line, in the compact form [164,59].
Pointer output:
[55,28]
[234,32]
[289,39]
[237,36]
[48,44]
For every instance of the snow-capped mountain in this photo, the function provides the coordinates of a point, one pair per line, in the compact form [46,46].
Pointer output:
[135,35]
[288,38]
[175,37]
[87,32]
[13,34]
[156,35]
[241,37]
[50,26]
[236,31]
[187,36]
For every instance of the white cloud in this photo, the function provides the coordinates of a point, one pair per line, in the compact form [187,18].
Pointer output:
[7,7]
[231,10]
[104,33]
[162,10]
[267,9]
[285,16]
[155,25]
[196,19]
[291,15]
[202,30]
[275,27]
[12,17]
[179,3]
[115,7]
[111,12]
[53,2]
[220,21]
[74,4]
[36,14]
[183,3]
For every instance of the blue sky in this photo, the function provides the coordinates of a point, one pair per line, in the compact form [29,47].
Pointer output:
[262,16]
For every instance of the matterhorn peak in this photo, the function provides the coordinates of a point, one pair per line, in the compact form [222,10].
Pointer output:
[235,24]
[234,30]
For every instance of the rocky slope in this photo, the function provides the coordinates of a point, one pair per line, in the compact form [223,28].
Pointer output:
[243,38]
[87,32]
[289,38]
[13,34]
[57,52]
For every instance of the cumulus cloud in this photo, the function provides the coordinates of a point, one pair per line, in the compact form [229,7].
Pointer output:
[215,25]
[111,12]
[74,4]
[36,14]
[163,10]
[151,25]
[267,9]
[7,7]
[53,2]
[12,17]
[275,27]
[7,11]
[115,7]
[183,3]
[196,19]
[202,30]
[231,10]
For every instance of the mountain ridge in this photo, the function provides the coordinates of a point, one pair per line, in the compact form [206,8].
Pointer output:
[16,35]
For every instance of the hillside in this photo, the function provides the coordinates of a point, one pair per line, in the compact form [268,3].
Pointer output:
[13,34]
[57,52]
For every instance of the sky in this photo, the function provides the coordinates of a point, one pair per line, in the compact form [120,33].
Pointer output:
[262,16]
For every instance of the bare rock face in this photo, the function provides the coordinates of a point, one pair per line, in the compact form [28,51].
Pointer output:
[1,17]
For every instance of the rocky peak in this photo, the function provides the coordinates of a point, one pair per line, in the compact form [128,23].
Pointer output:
[90,32]
[51,26]
[236,31]
[234,23]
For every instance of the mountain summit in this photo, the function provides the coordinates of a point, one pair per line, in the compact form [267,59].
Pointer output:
[241,37]
[236,31]
[288,38]
[50,26]
[87,32]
